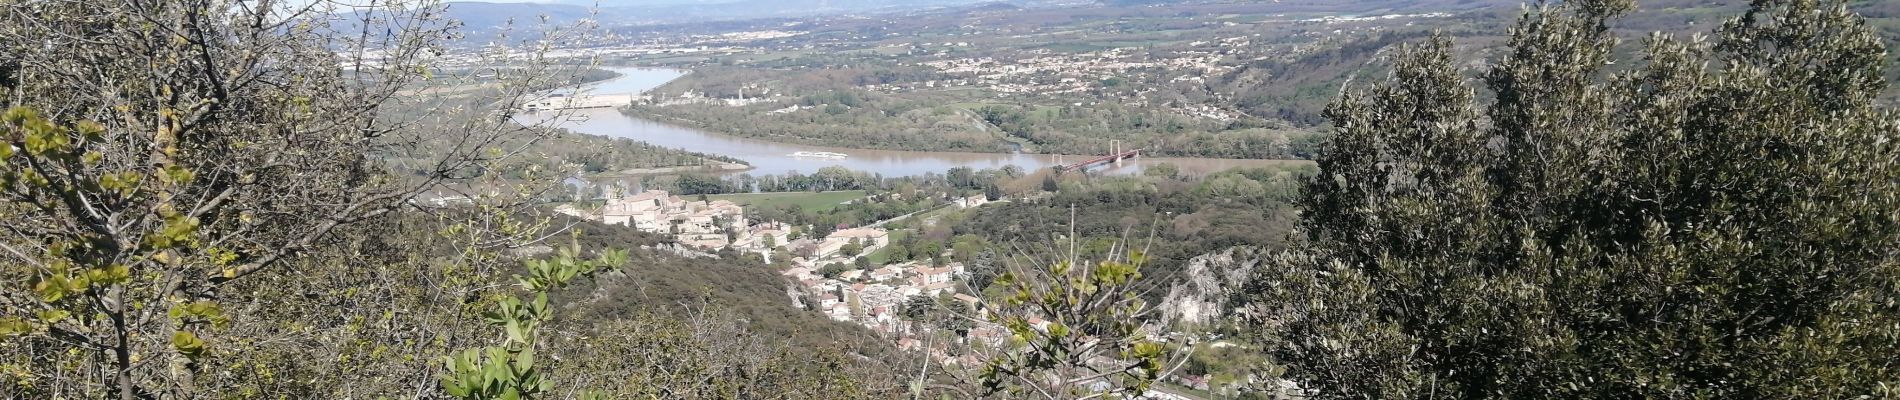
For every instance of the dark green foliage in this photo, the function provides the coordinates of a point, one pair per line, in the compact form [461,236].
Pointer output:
[1194,217]
[938,313]
[714,354]
[831,271]
[983,270]
[509,371]
[1717,221]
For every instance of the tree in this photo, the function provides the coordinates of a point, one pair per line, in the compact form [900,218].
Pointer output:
[1090,341]
[821,230]
[832,270]
[983,270]
[160,156]
[926,248]
[1674,230]
[934,312]
[1164,170]
[851,249]
[508,371]
[915,308]
[961,177]
[712,353]
[897,253]
[965,247]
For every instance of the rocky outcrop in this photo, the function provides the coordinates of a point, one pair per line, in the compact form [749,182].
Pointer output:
[679,251]
[1207,284]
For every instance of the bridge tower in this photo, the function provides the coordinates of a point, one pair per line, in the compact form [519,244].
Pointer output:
[1115,150]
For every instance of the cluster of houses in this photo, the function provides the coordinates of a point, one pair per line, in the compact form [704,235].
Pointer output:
[1045,71]
[875,297]
[717,224]
[703,224]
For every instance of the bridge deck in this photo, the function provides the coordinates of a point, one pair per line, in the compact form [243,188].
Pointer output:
[1102,159]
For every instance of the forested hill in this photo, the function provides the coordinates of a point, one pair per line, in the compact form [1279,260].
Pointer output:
[1296,86]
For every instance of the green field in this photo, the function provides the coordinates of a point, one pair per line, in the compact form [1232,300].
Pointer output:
[883,255]
[809,201]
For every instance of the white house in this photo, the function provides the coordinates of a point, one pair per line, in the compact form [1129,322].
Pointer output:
[868,238]
[970,202]
[660,212]
[888,272]
[935,275]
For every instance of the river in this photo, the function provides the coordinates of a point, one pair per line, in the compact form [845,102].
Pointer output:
[769,157]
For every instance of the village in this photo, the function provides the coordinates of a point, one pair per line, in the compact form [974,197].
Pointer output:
[820,281]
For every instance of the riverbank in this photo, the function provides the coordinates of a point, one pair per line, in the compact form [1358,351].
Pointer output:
[794,105]
[712,166]
[768,157]
[808,201]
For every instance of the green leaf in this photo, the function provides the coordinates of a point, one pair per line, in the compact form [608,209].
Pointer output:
[54,315]
[175,175]
[188,344]
[51,289]
[11,326]
[525,359]
[515,333]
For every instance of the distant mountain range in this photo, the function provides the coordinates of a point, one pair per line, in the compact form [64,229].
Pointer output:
[484,16]
[481,15]
[480,18]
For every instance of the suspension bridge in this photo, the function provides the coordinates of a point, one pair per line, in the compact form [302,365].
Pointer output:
[1114,157]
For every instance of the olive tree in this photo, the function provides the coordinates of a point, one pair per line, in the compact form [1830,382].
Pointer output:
[1077,329]
[1719,220]
[158,153]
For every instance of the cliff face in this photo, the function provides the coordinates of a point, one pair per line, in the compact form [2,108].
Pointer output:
[1208,282]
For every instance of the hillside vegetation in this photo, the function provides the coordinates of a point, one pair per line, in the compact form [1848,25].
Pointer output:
[215,200]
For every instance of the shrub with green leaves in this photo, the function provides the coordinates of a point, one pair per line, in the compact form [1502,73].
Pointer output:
[1077,331]
[1719,220]
[508,371]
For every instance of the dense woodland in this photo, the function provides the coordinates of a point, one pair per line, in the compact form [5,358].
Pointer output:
[206,207]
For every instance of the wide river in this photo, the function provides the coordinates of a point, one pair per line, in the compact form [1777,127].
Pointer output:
[769,157]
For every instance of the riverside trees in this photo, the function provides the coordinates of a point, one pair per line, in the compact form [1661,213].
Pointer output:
[1718,221]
